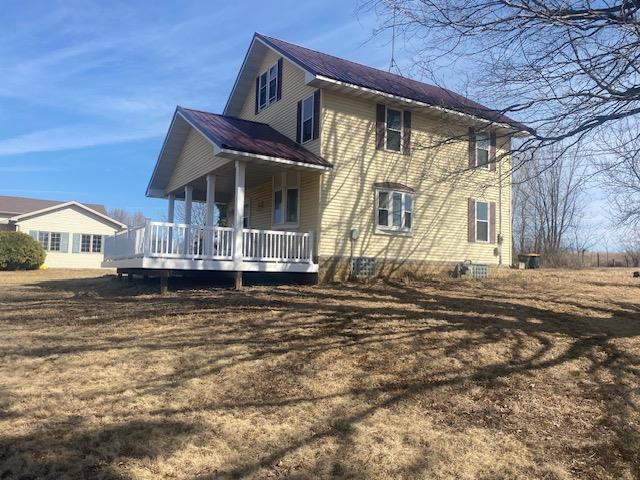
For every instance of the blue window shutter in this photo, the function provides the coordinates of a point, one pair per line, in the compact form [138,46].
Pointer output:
[34,234]
[76,243]
[64,242]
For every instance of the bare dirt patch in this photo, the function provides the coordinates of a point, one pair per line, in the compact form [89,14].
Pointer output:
[527,375]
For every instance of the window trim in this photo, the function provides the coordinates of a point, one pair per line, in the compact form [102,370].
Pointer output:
[59,249]
[391,229]
[283,188]
[312,118]
[91,236]
[487,165]
[386,129]
[488,221]
[268,100]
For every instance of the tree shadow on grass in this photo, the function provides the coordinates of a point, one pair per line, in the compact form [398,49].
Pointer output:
[237,331]
[68,450]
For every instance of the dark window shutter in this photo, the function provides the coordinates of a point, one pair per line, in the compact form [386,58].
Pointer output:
[472,220]
[492,151]
[472,147]
[257,92]
[406,133]
[316,114]
[492,222]
[279,88]
[298,118]
[380,126]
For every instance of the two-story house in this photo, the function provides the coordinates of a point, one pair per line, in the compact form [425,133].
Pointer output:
[322,165]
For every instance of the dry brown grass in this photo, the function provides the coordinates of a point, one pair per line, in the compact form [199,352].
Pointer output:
[529,375]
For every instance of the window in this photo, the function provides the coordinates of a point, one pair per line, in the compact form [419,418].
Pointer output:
[483,142]
[306,119]
[482,221]
[96,244]
[55,241]
[246,214]
[85,243]
[268,87]
[394,130]
[43,239]
[394,211]
[286,193]
[273,83]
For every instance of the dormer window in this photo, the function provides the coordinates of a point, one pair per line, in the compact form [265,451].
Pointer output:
[267,86]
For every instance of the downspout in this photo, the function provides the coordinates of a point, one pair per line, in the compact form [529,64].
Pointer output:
[500,237]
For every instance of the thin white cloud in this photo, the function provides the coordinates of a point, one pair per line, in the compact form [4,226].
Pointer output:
[74,137]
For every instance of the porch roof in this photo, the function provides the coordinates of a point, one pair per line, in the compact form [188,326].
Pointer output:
[238,135]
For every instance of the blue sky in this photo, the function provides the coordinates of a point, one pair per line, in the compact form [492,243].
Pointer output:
[88,88]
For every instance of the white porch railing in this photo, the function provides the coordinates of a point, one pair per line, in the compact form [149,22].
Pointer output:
[177,240]
[276,246]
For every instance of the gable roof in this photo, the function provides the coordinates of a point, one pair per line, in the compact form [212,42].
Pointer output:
[21,205]
[328,67]
[231,136]
[231,133]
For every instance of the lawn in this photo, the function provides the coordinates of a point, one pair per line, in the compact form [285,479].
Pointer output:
[527,375]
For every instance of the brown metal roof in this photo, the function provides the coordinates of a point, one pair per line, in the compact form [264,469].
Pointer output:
[21,205]
[353,73]
[249,137]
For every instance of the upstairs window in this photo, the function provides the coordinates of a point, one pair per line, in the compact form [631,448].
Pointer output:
[482,221]
[483,143]
[268,87]
[394,130]
[306,119]
[394,211]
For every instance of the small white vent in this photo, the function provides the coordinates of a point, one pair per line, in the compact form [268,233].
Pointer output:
[363,267]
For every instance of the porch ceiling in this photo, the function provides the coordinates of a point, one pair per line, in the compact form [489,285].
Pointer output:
[256,174]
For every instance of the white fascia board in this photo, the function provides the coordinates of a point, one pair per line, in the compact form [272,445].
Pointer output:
[244,62]
[272,159]
[309,78]
[59,206]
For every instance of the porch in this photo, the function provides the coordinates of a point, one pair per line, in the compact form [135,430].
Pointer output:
[179,246]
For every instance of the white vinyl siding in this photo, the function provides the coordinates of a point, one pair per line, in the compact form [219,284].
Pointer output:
[68,222]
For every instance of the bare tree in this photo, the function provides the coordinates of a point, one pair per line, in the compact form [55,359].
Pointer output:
[548,206]
[566,68]
[131,219]
[621,175]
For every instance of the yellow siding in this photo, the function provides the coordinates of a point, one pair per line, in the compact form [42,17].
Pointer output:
[261,202]
[440,211]
[196,160]
[282,114]
[69,220]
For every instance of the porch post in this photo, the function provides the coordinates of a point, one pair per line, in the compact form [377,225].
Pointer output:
[188,199]
[211,202]
[237,221]
[171,207]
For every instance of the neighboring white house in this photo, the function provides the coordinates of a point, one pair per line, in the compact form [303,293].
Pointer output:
[71,233]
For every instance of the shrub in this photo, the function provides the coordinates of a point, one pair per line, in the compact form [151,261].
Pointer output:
[19,251]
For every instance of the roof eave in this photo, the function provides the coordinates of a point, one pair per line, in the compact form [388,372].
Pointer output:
[321,80]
